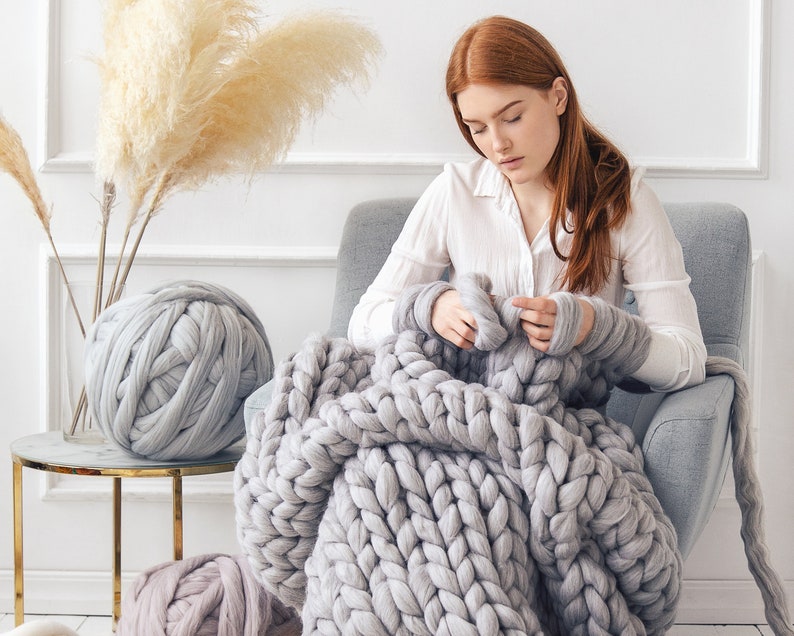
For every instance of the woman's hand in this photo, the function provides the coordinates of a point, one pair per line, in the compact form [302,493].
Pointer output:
[452,321]
[539,316]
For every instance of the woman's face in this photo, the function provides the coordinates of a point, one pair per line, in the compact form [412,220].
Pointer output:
[516,127]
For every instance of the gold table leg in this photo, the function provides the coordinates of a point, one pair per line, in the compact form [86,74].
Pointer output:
[19,581]
[116,551]
[177,507]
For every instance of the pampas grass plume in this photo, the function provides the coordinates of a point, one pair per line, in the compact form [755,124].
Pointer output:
[15,161]
[159,59]
[192,91]
[285,75]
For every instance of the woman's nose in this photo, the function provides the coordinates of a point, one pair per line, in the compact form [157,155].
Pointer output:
[500,142]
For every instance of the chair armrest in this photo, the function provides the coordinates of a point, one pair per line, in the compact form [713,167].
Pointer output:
[686,449]
[257,401]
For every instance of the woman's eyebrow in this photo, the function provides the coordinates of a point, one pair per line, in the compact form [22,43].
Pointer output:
[495,115]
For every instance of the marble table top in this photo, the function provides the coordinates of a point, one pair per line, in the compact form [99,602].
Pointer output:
[49,451]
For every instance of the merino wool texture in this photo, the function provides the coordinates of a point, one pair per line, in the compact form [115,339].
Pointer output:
[206,595]
[167,371]
[426,489]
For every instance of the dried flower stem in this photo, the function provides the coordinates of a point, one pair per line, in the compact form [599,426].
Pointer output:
[117,268]
[121,280]
[65,280]
[105,207]
[79,412]
[15,161]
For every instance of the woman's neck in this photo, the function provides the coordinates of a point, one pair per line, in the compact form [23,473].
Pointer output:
[534,202]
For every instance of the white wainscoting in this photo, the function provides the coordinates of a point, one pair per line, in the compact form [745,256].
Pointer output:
[433,139]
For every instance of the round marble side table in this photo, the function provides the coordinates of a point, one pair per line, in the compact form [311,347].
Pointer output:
[49,452]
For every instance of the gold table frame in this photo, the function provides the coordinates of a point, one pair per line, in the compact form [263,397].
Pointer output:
[49,452]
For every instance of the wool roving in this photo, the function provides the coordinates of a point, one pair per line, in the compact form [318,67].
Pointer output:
[167,371]
[426,489]
[206,595]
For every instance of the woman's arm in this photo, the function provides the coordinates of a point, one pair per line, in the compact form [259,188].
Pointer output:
[419,255]
[653,270]
[652,267]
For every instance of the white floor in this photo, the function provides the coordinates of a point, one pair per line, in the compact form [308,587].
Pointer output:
[101,626]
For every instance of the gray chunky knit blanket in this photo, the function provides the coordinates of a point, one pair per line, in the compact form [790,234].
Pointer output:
[424,489]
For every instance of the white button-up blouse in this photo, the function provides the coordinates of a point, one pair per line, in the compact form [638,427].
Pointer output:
[468,220]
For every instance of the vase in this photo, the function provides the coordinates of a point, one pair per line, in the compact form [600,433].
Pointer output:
[77,424]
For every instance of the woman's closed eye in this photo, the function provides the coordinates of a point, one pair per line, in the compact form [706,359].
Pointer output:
[482,129]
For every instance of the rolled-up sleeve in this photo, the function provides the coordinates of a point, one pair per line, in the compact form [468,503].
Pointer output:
[418,255]
[653,270]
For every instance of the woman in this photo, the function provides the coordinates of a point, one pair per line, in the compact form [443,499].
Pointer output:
[549,205]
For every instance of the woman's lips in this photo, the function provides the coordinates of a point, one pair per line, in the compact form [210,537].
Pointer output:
[510,163]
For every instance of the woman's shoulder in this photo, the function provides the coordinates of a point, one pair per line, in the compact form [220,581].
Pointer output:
[647,217]
[474,175]
[643,198]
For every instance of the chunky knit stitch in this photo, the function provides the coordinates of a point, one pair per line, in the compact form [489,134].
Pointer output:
[430,490]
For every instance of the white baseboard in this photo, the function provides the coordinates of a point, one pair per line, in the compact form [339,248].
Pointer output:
[725,602]
[89,593]
[60,593]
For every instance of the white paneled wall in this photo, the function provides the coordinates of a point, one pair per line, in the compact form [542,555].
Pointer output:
[698,93]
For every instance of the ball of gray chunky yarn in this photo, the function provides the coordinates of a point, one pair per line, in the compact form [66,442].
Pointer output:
[167,371]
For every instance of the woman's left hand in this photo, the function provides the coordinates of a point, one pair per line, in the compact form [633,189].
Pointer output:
[539,316]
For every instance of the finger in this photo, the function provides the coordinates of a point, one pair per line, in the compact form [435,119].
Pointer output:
[539,318]
[542,304]
[542,321]
[536,331]
[461,334]
[467,332]
[458,339]
[538,338]
[540,345]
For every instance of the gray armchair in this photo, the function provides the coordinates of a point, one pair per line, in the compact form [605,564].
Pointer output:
[685,434]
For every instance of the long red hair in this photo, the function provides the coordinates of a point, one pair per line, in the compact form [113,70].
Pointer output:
[589,174]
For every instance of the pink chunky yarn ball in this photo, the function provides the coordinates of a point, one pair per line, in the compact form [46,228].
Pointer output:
[206,595]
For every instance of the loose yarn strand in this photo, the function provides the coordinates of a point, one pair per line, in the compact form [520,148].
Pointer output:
[750,499]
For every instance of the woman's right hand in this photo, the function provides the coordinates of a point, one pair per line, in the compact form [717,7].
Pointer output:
[452,321]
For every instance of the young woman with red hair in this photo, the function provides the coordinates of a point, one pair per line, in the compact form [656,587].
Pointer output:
[550,205]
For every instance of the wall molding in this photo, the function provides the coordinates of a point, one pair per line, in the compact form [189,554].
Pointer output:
[203,489]
[51,157]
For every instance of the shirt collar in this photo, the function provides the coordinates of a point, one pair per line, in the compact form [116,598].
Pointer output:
[490,181]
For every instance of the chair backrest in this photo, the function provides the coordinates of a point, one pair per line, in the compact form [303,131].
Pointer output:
[369,232]
[714,237]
